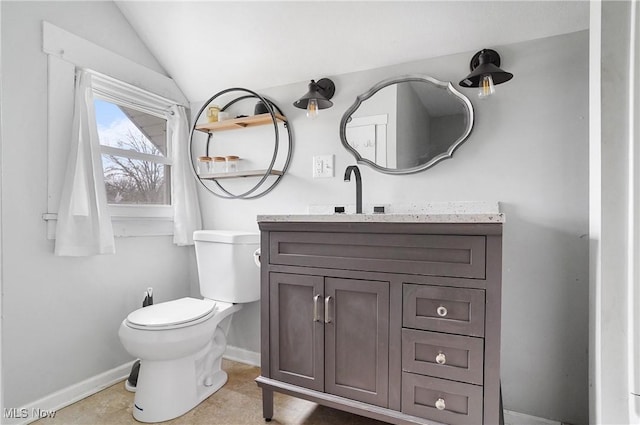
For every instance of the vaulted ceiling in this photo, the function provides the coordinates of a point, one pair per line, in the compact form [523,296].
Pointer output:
[207,46]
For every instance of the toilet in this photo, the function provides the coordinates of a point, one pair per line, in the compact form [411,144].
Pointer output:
[180,343]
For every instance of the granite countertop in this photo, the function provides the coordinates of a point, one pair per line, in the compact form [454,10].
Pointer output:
[436,212]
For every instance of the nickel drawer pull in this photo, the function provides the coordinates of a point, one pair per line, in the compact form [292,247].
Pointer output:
[441,358]
[442,311]
[316,318]
[327,319]
[440,404]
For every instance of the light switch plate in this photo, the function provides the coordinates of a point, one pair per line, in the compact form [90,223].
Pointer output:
[322,166]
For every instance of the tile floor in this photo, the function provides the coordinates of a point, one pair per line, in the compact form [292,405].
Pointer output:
[239,402]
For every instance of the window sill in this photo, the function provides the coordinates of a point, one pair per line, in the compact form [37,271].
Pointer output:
[124,227]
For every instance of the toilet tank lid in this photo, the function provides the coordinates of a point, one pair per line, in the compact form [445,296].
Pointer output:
[227,236]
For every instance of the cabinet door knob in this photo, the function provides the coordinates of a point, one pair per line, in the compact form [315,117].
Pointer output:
[327,319]
[440,404]
[442,311]
[316,299]
[441,358]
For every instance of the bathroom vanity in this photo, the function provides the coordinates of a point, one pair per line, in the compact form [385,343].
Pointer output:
[391,316]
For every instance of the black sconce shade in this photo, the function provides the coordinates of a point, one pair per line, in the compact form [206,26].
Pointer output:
[322,91]
[485,62]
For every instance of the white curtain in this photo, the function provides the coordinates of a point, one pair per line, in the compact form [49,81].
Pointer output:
[84,225]
[186,211]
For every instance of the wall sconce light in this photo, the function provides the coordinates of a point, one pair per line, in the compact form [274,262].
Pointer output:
[485,73]
[317,98]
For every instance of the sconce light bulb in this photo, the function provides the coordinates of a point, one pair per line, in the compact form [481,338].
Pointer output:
[487,88]
[312,108]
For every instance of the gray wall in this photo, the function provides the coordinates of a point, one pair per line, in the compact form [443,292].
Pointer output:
[61,315]
[528,150]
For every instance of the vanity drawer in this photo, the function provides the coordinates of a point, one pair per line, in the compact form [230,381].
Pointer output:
[455,357]
[444,309]
[440,400]
[433,255]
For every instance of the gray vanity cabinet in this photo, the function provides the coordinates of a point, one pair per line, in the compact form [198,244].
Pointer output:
[395,321]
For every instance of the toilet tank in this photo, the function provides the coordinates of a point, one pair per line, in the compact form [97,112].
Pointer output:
[226,268]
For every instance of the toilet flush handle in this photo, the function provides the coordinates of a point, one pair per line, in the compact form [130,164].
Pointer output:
[256,257]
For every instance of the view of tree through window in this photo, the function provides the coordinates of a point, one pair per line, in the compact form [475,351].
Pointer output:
[134,155]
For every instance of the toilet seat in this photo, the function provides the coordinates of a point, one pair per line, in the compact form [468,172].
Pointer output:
[172,314]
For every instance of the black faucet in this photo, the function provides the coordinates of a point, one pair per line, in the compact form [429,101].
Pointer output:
[347,178]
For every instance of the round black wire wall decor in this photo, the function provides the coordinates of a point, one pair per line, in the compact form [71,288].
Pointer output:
[254,192]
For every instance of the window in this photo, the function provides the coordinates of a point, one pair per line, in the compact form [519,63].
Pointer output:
[136,157]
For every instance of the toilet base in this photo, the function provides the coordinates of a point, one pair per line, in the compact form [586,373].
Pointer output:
[168,389]
[171,404]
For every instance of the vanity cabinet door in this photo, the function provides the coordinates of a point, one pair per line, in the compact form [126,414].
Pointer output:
[357,339]
[296,329]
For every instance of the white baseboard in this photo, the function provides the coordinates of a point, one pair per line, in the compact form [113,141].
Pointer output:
[241,355]
[515,418]
[50,404]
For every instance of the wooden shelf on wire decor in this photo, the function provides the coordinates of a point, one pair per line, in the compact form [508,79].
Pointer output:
[236,174]
[238,123]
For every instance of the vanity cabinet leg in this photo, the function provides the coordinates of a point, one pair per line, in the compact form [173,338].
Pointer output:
[267,404]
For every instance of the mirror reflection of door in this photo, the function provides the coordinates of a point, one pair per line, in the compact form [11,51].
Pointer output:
[368,135]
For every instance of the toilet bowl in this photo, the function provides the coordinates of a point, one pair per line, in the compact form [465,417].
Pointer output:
[180,343]
[180,354]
